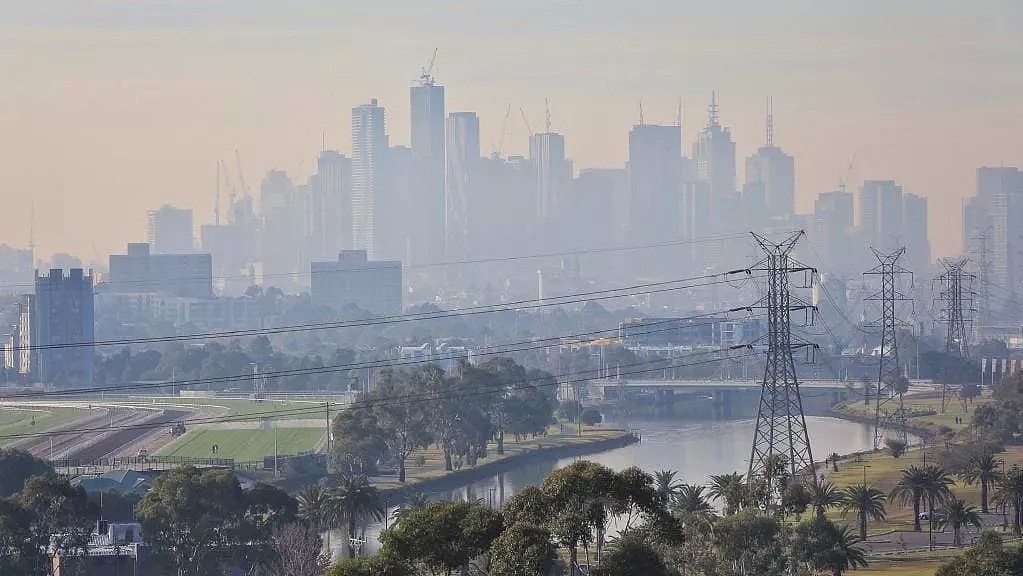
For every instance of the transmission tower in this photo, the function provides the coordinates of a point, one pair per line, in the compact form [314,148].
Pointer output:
[781,426]
[956,297]
[982,245]
[889,371]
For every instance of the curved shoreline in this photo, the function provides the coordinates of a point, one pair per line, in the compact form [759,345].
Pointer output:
[458,478]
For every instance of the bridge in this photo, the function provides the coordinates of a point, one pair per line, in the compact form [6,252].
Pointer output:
[695,385]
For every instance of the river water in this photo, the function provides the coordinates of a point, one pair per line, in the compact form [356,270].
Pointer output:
[695,449]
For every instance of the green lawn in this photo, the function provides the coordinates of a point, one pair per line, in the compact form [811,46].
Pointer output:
[15,421]
[243,445]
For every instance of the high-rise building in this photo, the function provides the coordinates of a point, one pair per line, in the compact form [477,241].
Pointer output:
[880,215]
[285,232]
[63,327]
[834,217]
[995,214]
[553,173]
[354,280]
[774,172]
[331,219]
[170,230]
[394,218]
[139,271]
[655,183]
[714,156]
[428,159]
[463,152]
[914,229]
[369,148]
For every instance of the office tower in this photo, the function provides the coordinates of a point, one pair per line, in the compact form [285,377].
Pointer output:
[63,327]
[655,180]
[369,148]
[834,216]
[505,209]
[773,172]
[139,271]
[914,227]
[170,230]
[992,232]
[880,214]
[395,218]
[463,157]
[553,172]
[426,232]
[234,247]
[714,156]
[285,231]
[354,280]
[331,219]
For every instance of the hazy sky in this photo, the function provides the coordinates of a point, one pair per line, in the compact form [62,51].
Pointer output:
[110,108]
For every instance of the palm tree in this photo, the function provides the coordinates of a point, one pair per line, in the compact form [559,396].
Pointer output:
[353,501]
[983,469]
[731,490]
[314,508]
[848,555]
[666,485]
[921,482]
[867,502]
[957,514]
[412,502]
[1009,491]
[824,495]
[692,500]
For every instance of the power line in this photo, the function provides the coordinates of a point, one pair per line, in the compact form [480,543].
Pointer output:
[507,348]
[608,294]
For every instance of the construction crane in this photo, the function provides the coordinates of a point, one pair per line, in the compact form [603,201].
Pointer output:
[844,178]
[525,120]
[241,175]
[504,133]
[426,75]
[232,192]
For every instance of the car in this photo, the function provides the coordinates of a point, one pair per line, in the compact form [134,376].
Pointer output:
[142,453]
[927,516]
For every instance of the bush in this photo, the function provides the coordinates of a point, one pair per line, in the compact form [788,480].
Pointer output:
[895,447]
[591,417]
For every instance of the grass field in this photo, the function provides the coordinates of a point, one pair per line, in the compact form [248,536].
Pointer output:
[243,445]
[15,421]
[241,408]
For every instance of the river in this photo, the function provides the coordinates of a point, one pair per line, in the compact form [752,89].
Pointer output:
[696,449]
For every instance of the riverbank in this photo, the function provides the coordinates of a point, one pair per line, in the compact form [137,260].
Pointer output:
[592,441]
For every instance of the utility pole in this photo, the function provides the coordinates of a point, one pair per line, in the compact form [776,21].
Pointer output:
[956,292]
[889,371]
[781,425]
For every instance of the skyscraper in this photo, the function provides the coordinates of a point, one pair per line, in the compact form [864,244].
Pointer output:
[834,216]
[880,214]
[995,213]
[285,231]
[774,171]
[331,218]
[714,156]
[914,227]
[170,230]
[655,183]
[427,191]
[553,173]
[463,152]
[63,326]
[369,146]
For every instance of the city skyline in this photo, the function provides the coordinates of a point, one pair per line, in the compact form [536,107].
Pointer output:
[81,125]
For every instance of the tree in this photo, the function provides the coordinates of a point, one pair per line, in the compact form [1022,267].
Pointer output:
[17,466]
[730,489]
[580,497]
[353,501]
[297,551]
[867,502]
[412,502]
[983,469]
[824,495]
[193,520]
[62,518]
[895,447]
[957,514]
[443,536]
[528,506]
[402,420]
[1009,492]
[918,483]
[633,493]
[522,550]
[691,500]
[987,557]
[19,553]
[749,543]
[666,485]
[591,417]
[379,565]
[314,505]
[825,547]
[631,556]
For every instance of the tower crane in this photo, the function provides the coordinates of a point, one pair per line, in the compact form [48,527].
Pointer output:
[241,175]
[525,120]
[426,75]
[504,133]
[844,178]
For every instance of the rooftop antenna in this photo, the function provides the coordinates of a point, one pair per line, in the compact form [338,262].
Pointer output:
[323,140]
[216,200]
[426,76]
[547,112]
[770,123]
[641,112]
[32,232]
[712,110]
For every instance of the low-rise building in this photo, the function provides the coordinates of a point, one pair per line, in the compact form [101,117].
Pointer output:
[375,286]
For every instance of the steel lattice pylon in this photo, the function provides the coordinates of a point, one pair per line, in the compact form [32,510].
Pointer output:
[781,426]
[956,296]
[889,412]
